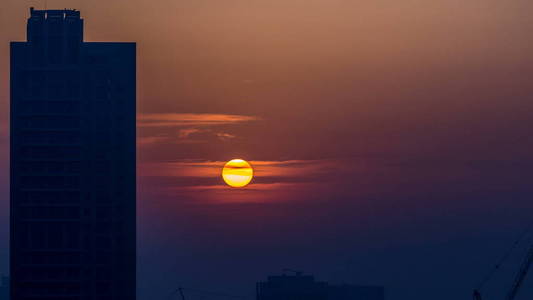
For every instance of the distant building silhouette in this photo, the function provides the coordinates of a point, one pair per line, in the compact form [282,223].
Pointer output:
[304,287]
[356,292]
[72,163]
[297,287]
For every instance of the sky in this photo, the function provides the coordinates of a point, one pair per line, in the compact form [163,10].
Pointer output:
[390,140]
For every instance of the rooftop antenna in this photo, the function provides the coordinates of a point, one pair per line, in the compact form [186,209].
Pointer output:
[296,272]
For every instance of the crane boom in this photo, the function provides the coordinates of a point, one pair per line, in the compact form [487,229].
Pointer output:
[181,293]
[181,290]
[476,295]
[524,268]
[178,290]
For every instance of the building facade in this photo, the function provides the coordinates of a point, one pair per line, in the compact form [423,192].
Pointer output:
[73,163]
[4,288]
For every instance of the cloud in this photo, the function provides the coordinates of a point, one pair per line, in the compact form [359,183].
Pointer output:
[191,128]
[191,120]
[223,136]
[197,135]
[222,194]
[197,181]
[191,173]
[150,140]
[187,132]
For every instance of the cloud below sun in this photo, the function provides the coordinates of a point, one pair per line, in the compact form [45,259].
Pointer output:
[202,179]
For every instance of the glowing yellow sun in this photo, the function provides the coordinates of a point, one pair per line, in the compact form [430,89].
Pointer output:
[237,173]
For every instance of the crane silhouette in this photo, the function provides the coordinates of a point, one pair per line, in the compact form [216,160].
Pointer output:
[180,291]
[519,277]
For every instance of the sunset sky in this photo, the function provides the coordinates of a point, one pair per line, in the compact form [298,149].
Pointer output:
[391,140]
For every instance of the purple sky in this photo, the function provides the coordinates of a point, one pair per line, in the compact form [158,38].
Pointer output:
[391,140]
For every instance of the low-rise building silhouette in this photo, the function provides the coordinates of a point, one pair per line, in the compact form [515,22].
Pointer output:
[305,287]
[356,292]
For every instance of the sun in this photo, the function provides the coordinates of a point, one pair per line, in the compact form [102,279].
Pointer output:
[237,173]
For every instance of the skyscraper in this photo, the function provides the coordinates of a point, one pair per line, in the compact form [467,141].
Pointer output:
[73,179]
[4,288]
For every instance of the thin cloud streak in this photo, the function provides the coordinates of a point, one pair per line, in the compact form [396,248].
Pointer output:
[150,140]
[185,133]
[282,170]
[224,136]
[200,181]
[191,119]
[253,193]
[252,187]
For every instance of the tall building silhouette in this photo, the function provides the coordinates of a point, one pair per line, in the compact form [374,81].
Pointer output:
[4,288]
[73,179]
